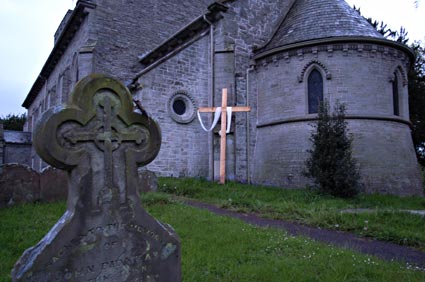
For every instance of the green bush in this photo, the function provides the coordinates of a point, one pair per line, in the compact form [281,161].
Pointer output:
[330,164]
[14,121]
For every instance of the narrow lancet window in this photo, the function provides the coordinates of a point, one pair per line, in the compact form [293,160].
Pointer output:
[396,96]
[315,91]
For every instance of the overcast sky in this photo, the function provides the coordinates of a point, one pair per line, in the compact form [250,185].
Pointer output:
[27,28]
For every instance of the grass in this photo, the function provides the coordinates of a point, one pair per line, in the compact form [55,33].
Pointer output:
[217,248]
[22,227]
[386,221]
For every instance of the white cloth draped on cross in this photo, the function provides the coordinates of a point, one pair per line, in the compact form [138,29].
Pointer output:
[225,113]
[217,115]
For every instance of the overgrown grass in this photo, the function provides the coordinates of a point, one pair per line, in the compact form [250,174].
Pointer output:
[217,248]
[386,221]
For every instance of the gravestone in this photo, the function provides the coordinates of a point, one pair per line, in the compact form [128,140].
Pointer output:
[19,184]
[53,185]
[105,234]
[148,182]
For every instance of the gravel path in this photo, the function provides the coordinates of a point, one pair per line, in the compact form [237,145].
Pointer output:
[384,250]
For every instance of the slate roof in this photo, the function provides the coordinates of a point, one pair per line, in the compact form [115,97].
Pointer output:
[312,19]
[17,137]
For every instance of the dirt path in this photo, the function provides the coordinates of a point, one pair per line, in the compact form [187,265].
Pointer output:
[384,250]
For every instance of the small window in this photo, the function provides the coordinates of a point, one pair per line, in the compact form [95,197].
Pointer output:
[315,91]
[60,89]
[181,107]
[396,104]
[66,85]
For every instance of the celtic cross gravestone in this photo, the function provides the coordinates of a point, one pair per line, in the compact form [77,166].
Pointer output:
[105,234]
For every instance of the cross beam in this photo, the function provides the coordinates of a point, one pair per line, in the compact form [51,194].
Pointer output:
[223,129]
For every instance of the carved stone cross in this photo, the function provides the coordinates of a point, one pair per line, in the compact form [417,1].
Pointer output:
[105,132]
[105,235]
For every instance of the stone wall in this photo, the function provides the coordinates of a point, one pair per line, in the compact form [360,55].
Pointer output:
[126,29]
[184,149]
[108,44]
[109,40]
[386,157]
[247,24]
[356,74]
[15,147]
[242,26]
[74,64]
[21,184]
[1,145]
[53,185]
[18,153]
[18,184]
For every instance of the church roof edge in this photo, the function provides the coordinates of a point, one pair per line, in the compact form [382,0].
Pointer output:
[312,20]
[184,33]
[17,137]
[68,32]
[343,39]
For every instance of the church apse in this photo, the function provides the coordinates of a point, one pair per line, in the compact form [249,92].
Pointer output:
[382,143]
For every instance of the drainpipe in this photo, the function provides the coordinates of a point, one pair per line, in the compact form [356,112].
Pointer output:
[211,96]
[248,131]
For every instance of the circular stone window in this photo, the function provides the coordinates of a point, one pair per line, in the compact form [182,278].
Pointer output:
[181,107]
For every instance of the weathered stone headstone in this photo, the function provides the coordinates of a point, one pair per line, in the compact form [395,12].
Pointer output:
[1,146]
[18,184]
[148,182]
[53,185]
[105,234]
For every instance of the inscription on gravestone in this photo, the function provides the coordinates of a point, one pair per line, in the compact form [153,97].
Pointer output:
[105,234]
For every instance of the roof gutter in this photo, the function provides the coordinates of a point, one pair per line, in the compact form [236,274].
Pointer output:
[181,37]
[344,39]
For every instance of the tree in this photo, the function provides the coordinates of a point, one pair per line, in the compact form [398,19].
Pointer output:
[417,101]
[382,28]
[14,121]
[330,163]
[416,78]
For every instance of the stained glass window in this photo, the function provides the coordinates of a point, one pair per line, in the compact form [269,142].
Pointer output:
[315,91]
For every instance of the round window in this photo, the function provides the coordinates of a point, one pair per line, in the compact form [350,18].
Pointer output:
[181,107]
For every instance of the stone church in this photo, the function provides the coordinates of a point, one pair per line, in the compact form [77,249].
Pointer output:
[280,57]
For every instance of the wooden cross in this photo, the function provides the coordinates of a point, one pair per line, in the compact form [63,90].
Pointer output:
[223,129]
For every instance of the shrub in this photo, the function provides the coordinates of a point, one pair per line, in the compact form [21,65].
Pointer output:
[14,121]
[330,163]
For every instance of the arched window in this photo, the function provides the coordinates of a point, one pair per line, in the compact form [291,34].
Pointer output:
[315,91]
[396,104]
[75,75]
